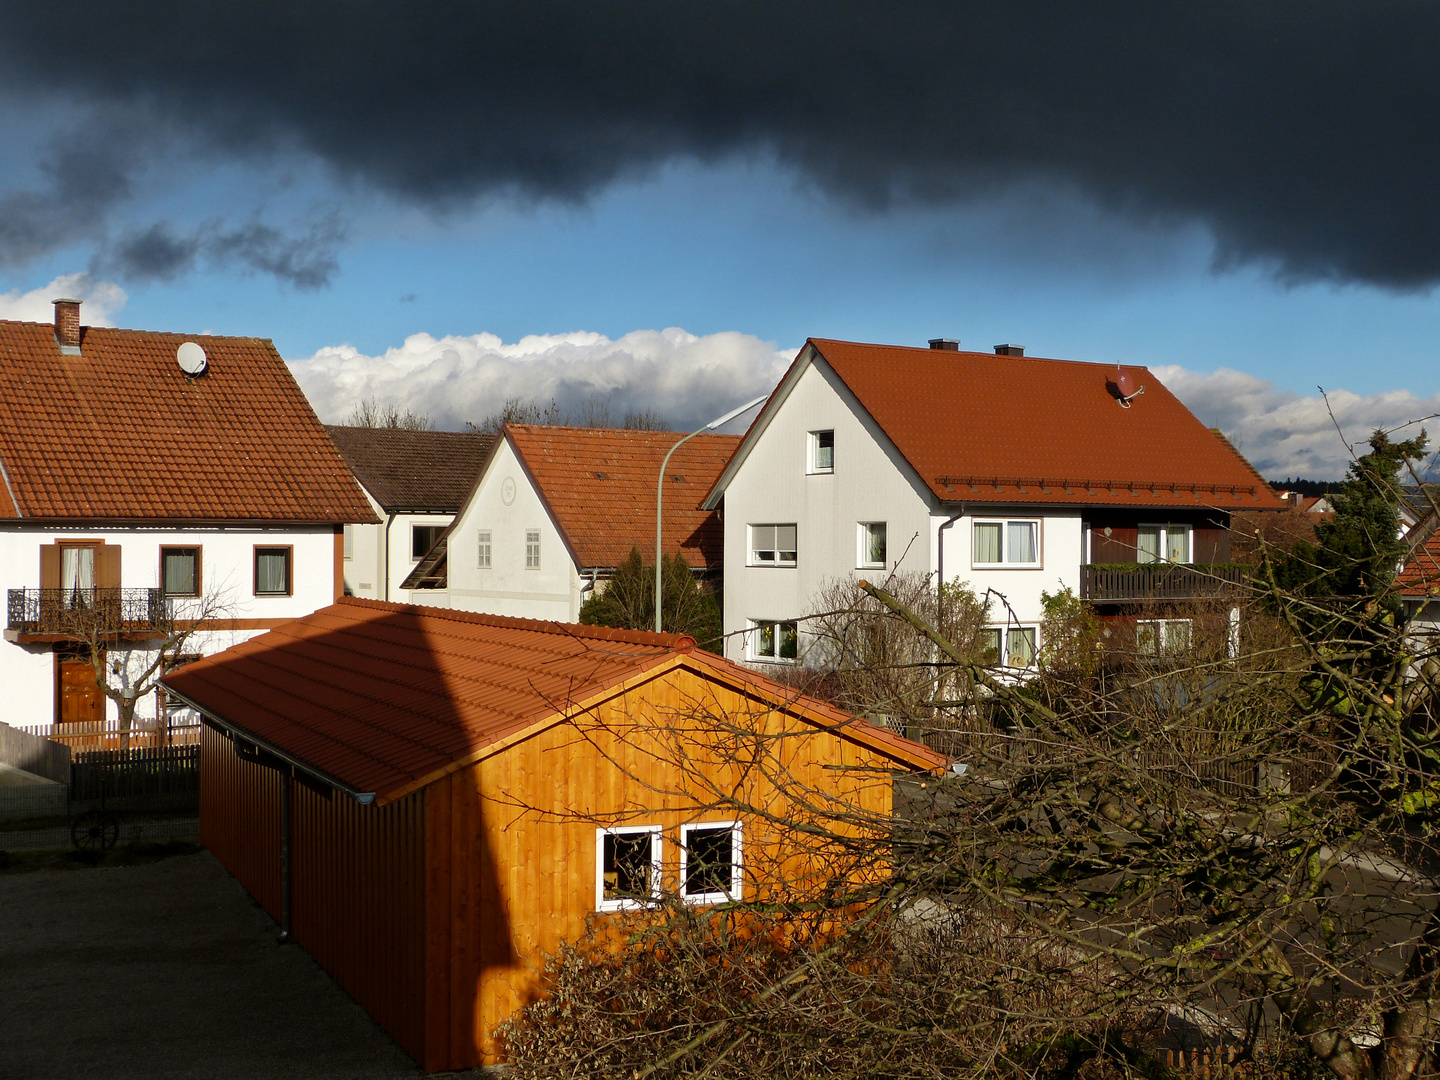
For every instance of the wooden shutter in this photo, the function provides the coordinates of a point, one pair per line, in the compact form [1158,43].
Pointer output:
[49,566]
[107,566]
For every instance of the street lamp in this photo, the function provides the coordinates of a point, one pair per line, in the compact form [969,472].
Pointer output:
[660,489]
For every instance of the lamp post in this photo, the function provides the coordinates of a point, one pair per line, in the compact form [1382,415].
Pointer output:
[660,490]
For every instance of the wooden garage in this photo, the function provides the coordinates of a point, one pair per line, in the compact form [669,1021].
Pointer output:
[429,801]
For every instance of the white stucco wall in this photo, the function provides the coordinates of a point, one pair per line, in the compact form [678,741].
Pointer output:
[27,672]
[507,505]
[365,568]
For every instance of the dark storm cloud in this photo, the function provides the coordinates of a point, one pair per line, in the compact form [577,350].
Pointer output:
[1307,134]
[160,253]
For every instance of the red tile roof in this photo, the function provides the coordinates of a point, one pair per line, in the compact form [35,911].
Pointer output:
[979,427]
[414,470]
[599,484]
[119,432]
[386,697]
[1420,576]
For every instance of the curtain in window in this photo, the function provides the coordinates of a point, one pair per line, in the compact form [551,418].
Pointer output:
[1147,544]
[1021,546]
[270,572]
[180,573]
[1177,544]
[989,645]
[77,574]
[875,544]
[987,541]
[1020,644]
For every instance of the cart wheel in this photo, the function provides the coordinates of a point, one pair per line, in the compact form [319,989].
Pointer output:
[95,830]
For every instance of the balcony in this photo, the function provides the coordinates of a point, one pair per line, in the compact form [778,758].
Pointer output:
[1127,583]
[76,614]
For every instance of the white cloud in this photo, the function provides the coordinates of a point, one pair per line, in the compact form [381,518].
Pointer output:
[100,300]
[688,379]
[1288,434]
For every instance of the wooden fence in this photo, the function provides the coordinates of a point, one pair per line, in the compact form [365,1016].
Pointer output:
[163,770]
[1218,1063]
[106,735]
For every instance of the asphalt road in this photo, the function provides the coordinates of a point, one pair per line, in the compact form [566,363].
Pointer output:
[169,970]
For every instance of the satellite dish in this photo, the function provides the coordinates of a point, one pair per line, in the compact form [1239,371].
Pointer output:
[1125,388]
[191,358]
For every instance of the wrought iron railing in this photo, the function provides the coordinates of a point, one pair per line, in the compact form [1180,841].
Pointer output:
[1160,581]
[83,612]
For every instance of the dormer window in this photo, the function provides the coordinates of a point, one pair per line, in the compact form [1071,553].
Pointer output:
[822,452]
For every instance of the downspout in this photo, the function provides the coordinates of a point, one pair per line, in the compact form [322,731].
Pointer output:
[389,521]
[940,546]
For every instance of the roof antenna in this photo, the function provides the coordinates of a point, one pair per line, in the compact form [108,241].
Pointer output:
[1124,389]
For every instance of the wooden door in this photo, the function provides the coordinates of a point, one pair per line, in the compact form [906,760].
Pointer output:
[78,699]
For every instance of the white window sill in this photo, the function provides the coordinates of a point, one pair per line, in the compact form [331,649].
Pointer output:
[1007,566]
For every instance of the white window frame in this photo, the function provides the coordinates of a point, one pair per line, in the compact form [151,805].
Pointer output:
[1005,523]
[349,533]
[1003,656]
[862,545]
[1164,541]
[532,549]
[423,525]
[752,640]
[656,852]
[737,869]
[1162,633]
[812,453]
[752,559]
[484,549]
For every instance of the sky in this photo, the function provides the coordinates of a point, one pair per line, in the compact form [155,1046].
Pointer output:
[446,206]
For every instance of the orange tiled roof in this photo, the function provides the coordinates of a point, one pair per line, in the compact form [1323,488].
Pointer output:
[385,697]
[979,427]
[600,486]
[1420,576]
[119,432]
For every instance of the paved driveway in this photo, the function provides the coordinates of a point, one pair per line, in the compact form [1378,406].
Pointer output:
[168,970]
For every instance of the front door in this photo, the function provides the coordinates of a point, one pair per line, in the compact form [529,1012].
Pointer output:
[77,697]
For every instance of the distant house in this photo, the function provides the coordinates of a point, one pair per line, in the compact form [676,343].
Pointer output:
[1014,474]
[556,509]
[131,486]
[415,481]
[458,793]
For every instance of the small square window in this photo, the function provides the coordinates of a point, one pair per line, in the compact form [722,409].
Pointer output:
[483,553]
[349,541]
[180,571]
[272,571]
[774,641]
[422,539]
[822,452]
[1006,544]
[773,545]
[627,867]
[710,862]
[871,544]
[532,549]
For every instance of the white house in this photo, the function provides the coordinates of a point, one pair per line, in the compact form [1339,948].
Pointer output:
[143,472]
[415,481]
[556,509]
[1015,474]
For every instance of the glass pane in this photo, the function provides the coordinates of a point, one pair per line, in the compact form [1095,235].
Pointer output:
[789,640]
[629,866]
[1020,644]
[1177,636]
[1147,639]
[785,543]
[1177,543]
[875,543]
[988,642]
[349,541]
[824,450]
[765,641]
[1147,544]
[1021,542]
[484,545]
[708,861]
[987,541]
[270,571]
[180,573]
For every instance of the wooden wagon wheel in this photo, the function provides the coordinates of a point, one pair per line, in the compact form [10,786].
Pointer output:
[95,830]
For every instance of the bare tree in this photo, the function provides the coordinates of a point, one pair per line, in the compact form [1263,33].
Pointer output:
[593,412]
[370,413]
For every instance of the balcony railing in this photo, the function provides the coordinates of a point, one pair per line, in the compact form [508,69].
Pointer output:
[82,613]
[1101,584]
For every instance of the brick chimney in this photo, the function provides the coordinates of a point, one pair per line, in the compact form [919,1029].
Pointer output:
[67,327]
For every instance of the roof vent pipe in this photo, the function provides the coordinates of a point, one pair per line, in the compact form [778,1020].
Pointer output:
[1009,350]
[949,344]
[67,327]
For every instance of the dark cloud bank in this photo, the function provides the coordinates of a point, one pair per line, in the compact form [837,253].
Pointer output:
[1302,134]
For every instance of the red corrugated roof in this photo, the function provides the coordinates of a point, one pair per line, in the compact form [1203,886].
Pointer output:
[600,486]
[381,696]
[979,427]
[119,432]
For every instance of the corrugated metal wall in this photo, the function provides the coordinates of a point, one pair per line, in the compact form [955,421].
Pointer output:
[357,879]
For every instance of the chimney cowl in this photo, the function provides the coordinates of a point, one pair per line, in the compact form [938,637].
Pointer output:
[946,343]
[67,326]
[1009,350]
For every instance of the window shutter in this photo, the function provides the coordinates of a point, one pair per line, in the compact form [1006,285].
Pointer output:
[107,566]
[49,566]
